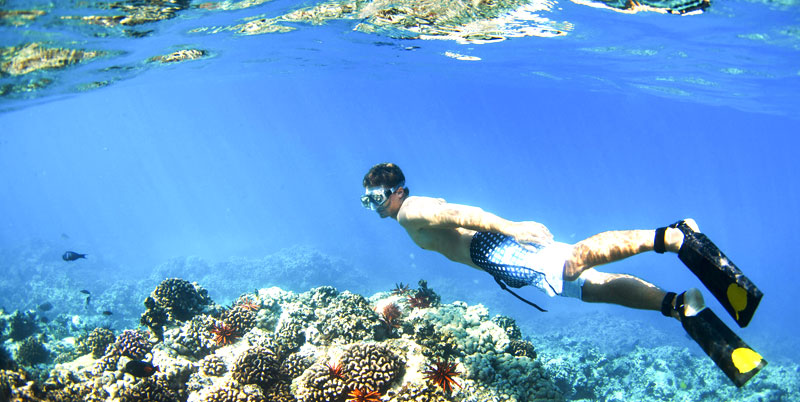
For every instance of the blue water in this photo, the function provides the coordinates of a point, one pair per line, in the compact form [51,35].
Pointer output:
[628,121]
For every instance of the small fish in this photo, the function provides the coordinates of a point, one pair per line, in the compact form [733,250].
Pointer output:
[44,319]
[72,256]
[140,369]
[46,306]
[106,312]
[88,299]
[64,236]
[86,292]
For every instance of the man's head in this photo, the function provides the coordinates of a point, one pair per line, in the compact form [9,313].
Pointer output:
[385,190]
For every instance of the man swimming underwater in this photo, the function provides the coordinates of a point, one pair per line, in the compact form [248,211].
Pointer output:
[524,253]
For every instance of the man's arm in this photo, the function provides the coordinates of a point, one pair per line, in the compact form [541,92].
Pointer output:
[436,213]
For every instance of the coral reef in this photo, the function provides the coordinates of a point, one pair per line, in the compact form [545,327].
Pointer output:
[32,351]
[326,345]
[6,362]
[213,366]
[148,389]
[132,344]
[96,342]
[193,338]
[22,325]
[257,366]
[181,299]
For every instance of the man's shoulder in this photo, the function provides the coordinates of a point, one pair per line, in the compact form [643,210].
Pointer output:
[415,208]
[416,203]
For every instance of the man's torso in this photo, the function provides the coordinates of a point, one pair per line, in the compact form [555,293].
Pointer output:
[452,243]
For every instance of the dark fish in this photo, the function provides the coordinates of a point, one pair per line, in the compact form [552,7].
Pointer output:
[107,312]
[138,368]
[64,236]
[84,291]
[72,256]
[46,306]
[44,319]
[88,299]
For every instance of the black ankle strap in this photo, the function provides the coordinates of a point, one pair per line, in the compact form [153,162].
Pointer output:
[658,242]
[666,304]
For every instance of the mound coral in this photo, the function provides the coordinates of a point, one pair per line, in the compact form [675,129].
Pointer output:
[258,366]
[521,349]
[133,344]
[239,319]
[96,342]
[370,367]
[6,362]
[348,318]
[21,325]
[213,366]
[227,394]
[195,337]
[32,351]
[150,390]
[181,299]
[364,369]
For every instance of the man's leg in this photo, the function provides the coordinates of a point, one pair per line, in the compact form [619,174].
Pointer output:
[615,245]
[621,289]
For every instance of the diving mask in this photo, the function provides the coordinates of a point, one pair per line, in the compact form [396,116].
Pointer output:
[375,198]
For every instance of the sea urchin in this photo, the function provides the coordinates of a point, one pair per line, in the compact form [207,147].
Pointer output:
[223,334]
[442,373]
[358,395]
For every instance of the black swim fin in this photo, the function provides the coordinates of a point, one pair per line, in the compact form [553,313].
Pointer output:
[727,283]
[730,353]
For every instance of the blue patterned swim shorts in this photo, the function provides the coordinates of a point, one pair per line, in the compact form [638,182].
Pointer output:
[540,266]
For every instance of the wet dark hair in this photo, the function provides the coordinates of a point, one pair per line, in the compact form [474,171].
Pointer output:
[384,175]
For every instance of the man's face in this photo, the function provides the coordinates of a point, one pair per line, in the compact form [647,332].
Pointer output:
[373,197]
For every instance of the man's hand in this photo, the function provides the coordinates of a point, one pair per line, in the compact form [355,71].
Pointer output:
[530,233]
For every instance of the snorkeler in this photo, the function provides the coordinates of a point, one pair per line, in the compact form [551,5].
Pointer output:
[517,254]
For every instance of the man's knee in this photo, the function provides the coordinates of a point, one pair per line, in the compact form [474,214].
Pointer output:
[574,266]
